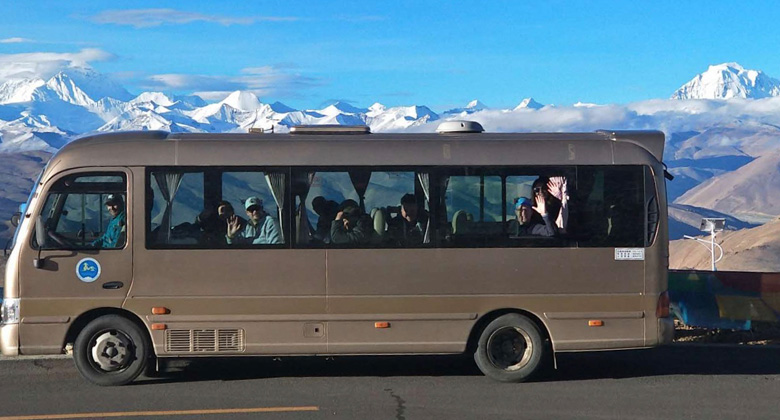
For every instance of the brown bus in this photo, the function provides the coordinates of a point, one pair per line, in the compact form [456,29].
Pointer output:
[143,245]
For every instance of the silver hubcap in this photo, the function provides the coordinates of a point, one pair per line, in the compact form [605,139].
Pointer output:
[509,348]
[112,351]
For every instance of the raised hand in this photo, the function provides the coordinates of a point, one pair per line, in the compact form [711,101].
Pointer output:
[233,226]
[557,187]
[539,205]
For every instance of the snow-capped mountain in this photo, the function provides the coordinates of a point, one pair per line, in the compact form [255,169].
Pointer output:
[727,81]
[472,107]
[24,90]
[79,86]
[381,118]
[529,103]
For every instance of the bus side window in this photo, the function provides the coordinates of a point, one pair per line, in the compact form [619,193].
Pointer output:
[471,212]
[388,208]
[86,211]
[174,201]
[612,205]
[255,190]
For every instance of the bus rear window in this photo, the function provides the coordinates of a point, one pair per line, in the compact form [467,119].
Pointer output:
[611,206]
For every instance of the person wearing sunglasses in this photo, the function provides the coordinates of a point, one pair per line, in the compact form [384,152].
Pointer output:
[260,228]
[553,193]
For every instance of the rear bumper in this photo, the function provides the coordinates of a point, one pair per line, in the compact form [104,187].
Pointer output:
[665,330]
[9,339]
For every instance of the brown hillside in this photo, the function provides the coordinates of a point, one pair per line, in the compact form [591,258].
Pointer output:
[750,193]
[756,249]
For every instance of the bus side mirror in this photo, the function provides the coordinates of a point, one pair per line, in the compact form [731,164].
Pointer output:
[40,237]
[15,218]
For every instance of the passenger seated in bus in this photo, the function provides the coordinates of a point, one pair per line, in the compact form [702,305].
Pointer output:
[260,227]
[224,212]
[408,227]
[326,210]
[554,192]
[524,223]
[210,227]
[351,226]
[114,236]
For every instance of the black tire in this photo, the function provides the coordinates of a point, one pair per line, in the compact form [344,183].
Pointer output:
[111,350]
[510,349]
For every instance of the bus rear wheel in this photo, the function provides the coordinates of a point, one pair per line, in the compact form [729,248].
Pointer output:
[111,350]
[510,349]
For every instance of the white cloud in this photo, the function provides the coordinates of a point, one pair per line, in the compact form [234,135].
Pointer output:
[669,116]
[14,40]
[46,64]
[262,81]
[145,18]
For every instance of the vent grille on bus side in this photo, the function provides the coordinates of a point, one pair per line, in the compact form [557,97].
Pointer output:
[194,341]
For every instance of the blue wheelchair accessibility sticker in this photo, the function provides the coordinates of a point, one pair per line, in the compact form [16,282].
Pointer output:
[88,270]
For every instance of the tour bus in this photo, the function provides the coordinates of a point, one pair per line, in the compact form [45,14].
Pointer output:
[137,247]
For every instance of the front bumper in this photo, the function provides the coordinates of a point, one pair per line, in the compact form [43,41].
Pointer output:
[9,339]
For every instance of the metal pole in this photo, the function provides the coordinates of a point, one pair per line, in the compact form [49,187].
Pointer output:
[712,248]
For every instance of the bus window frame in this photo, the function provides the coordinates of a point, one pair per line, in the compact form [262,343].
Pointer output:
[575,197]
[215,171]
[82,188]
[429,169]
[503,172]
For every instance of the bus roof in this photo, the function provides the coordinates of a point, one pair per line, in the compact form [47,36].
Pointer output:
[160,148]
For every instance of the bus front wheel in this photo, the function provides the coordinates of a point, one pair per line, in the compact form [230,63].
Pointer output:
[111,350]
[510,349]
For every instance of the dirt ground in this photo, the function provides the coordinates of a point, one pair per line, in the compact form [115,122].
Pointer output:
[760,335]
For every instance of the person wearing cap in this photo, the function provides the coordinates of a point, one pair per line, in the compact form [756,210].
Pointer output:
[260,228]
[524,224]
[408,227]
[113,237]
[351,225]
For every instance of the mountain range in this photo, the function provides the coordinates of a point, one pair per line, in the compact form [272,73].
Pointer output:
[37,114]
[722,129]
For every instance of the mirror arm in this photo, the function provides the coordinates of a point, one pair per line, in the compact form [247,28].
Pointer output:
[40,237]
[38,262]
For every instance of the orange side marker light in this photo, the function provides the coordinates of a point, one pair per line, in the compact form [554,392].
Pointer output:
[595,323]
[159,327]
[382,324]
[160,310]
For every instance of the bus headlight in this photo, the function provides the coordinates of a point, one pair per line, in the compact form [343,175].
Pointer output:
[10,311]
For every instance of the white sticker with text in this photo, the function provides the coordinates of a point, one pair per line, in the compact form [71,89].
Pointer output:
[629,254]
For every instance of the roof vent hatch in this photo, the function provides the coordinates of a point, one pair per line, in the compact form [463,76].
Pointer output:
[459,127]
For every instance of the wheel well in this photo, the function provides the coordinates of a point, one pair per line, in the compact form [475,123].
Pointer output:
[486,319]
[82,320]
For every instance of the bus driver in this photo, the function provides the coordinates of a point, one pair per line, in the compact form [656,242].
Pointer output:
[116,227]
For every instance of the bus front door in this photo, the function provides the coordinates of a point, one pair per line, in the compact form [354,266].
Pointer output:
[79,260]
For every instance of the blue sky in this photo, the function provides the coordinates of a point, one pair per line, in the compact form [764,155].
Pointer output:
[440,54]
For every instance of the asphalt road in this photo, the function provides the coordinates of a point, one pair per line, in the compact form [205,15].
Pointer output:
[679,381]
